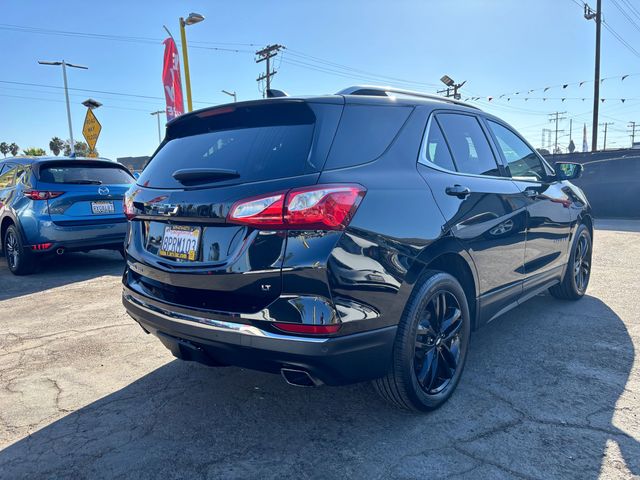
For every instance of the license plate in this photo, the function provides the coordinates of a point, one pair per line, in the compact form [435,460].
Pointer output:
[102,208]
[181,242]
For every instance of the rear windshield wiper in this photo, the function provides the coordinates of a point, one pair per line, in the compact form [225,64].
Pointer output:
[85,182]
[202,175]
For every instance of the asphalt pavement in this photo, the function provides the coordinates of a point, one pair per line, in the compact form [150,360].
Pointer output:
[550,390]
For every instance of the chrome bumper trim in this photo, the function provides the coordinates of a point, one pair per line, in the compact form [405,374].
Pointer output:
[219,325]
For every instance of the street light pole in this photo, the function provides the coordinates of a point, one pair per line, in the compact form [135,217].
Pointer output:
[66,95]
[157,114]
[231,94]
[190,20]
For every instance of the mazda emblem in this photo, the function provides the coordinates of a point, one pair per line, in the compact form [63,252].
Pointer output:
[103,191]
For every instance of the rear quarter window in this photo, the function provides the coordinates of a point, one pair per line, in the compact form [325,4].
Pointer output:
[364,133]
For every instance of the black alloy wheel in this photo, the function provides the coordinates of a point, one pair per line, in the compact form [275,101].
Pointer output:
[437,344]
[430,347]
[582,262]
[578,272]
[19,260]
[12,250]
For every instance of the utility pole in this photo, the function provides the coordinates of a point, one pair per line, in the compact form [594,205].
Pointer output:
[605,125]
[157,114]
[556,119]
[596,15]
[570,129]
[632,126]
[266,54]
[66,95]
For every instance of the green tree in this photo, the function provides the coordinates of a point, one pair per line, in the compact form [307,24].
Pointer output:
[34,152]
[4,148]
[56,145]
[14,149]
[82,149]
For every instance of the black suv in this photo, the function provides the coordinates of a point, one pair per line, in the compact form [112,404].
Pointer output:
[349,237]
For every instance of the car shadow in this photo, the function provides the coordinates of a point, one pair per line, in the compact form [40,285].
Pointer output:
[538,399]
[57,271]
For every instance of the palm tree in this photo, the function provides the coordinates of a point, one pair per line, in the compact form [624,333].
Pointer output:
[56,145]
[4,148]
[34,152]
[14,149]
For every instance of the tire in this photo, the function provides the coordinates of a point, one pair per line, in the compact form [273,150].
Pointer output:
[420,377]
[19,260]
[578,272]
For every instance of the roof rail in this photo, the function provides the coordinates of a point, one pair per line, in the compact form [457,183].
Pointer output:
[376,90]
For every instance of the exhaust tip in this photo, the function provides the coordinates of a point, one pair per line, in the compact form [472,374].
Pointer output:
[299,378]
[60,251]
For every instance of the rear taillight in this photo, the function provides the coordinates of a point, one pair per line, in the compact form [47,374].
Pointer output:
[307,329]
[41,194]
[128,207]
[41,246]
[321,207]
[262,211]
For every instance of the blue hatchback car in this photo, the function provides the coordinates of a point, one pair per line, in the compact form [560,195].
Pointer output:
[58,204]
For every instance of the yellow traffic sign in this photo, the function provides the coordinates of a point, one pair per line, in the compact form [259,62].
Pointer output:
[91,129]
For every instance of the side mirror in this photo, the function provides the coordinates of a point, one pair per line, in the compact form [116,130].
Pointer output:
[568,170]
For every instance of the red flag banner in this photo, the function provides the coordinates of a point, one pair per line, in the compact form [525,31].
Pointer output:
[171,79]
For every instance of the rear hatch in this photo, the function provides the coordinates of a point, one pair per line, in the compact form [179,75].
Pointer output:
[181,249]
[84,192]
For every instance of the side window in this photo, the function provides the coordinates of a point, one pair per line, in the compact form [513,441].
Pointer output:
[469,145]
[436,150]
[523,162]
[364,133]
[20,174]
[6,176]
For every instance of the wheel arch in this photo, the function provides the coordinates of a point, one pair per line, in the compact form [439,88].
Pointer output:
[449,257]
[6,222]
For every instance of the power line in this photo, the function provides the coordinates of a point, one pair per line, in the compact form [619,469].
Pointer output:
[626,15]
[338,66]
[222,46]
[62,101]
[632,8]
[620,39]
[105,92]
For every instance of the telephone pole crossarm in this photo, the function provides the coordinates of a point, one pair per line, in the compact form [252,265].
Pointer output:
[265,55]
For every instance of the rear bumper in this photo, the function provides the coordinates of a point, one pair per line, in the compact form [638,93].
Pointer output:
[334,360]
[78,237]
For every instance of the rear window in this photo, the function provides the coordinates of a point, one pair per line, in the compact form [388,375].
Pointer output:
[259,142]
[84,175]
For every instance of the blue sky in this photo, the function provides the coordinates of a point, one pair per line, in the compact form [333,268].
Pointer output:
[498,46]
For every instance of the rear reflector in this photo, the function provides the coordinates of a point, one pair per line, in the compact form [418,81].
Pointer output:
[41,246]
[308,329]
[321,207]
[41,194]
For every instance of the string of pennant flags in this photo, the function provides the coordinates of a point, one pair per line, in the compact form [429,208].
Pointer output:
[526,94]
[544,99]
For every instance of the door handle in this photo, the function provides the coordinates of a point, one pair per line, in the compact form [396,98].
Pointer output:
[458,191]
